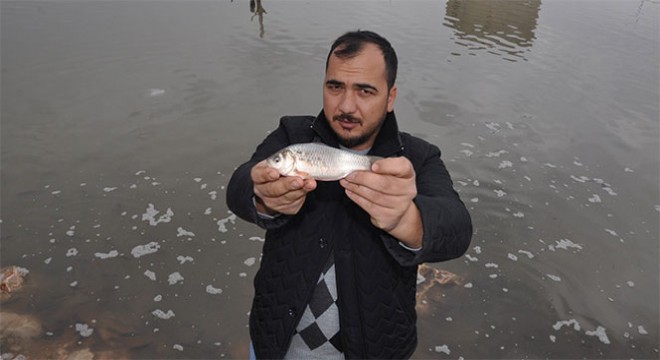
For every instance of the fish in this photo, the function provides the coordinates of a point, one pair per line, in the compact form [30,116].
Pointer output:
[318,161]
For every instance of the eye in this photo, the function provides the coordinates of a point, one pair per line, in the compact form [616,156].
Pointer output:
[366,92]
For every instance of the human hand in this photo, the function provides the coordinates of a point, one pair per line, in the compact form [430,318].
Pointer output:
[279,194]
[386,194]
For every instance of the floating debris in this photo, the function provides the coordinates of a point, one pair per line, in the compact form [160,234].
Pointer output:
[600,333]
[442,349]
[12,278]
[183,259]
[151,212]
[147,249]
[182,232]
[84,330]
[111,254]
[156,92]
[150,274]
[222,223]
[174,278]
[163,315]
[212,290]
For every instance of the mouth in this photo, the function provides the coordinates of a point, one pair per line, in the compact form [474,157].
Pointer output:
[347,122]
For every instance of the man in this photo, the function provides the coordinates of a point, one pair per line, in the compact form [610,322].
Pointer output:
[339,266]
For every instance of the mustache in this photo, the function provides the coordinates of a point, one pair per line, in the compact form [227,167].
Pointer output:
[346,117]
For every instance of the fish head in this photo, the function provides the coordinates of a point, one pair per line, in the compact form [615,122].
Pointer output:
[284,161]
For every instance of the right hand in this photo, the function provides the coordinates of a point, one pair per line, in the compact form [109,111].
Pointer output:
[279,194]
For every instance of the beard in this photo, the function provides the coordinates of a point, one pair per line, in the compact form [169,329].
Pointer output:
[351,141]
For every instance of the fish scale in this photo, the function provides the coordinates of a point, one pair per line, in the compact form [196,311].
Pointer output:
[318,161]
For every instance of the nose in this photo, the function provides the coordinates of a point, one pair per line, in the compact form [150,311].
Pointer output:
[347,103]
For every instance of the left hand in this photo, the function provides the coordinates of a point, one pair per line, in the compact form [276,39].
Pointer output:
[386,194]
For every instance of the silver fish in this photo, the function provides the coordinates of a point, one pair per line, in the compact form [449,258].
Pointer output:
[318,161]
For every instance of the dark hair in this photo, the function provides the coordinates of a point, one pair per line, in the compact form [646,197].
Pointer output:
[351,44]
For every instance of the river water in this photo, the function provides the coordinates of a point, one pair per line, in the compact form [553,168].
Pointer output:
[123,121]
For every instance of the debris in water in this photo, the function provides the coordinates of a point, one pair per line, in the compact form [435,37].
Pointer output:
[222,223]
[163,315]
[84,330]
[111,254]
[442,349]
[558,325]
[150,274]
[600,332]
[12,279]
[182,232]
[212,290]
[147,249]
[183,259]
[151,212]
[174,278]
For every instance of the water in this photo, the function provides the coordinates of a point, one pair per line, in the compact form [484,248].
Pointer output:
[546,112]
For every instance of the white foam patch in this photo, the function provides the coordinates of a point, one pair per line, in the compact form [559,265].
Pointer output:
[111,254]
[222,223]
[505,164]
[150,274]
[109,189]
[442,349]
[72,252]
[146,249]
[559,324]
[595,199]
[553,277]
[84,330]
[150,215]
[174,278]
[156,92]
[257,238]
[250,261]
[212,290]
[600,333]
[565,244]
[183,232]
[183,259]
[163,315]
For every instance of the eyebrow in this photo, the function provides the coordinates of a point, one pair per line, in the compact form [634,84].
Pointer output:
[361,86]
[366,87]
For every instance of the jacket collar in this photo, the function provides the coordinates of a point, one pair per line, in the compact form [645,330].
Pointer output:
[388,141]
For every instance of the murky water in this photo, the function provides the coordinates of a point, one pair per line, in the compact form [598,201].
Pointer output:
[123,121]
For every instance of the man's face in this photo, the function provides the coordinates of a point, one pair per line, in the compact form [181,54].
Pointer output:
[355,97]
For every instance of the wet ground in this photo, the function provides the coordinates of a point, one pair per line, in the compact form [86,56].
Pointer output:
[123,121]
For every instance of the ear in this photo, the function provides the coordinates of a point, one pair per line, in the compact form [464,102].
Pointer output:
[390,98]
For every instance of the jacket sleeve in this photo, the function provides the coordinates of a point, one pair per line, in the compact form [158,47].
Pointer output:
[447,226]
[240,193]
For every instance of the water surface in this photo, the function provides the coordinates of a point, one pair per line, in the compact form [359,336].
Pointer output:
[123,121]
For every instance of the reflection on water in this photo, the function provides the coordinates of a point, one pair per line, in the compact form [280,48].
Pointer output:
[501,27]
[258,10]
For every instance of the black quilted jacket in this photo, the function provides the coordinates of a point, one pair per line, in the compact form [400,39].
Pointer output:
[376,277]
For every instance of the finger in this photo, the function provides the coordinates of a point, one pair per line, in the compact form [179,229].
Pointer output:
[279,187]
[367,193]
[398,166]
[262,173]
[386,184]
